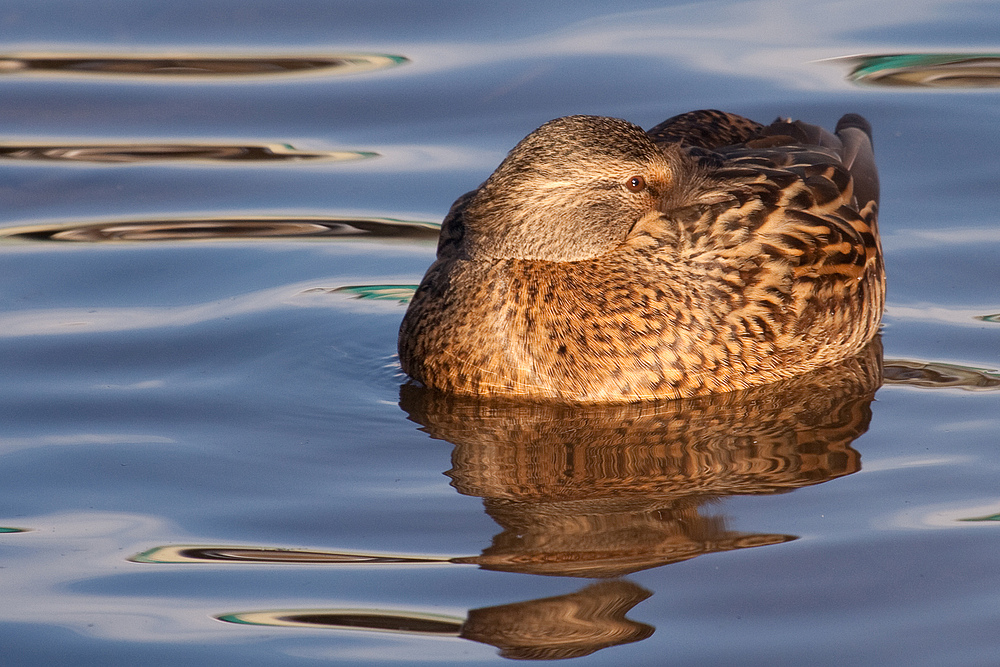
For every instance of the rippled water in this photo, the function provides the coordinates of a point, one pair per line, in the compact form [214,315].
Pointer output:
[213,215]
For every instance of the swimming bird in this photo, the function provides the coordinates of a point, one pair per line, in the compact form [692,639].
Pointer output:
[602,263]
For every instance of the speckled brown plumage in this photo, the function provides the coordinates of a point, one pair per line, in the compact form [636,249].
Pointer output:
[600,263]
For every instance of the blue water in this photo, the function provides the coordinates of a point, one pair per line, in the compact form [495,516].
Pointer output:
[222,393]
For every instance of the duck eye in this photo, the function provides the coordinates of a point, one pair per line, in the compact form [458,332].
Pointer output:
[636,184]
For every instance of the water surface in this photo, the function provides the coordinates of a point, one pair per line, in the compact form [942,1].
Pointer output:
[212,216]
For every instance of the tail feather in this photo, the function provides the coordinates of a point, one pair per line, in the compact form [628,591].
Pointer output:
[859,157]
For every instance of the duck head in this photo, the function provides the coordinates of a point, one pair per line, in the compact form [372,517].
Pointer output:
[570,190]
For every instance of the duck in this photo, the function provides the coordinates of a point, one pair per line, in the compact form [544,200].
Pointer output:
[601,263]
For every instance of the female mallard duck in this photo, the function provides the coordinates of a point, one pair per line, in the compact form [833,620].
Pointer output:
[603,263]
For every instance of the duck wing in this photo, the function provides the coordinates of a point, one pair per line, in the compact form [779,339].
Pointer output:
[791,190]
[851,144]
[728,133]
[782,225]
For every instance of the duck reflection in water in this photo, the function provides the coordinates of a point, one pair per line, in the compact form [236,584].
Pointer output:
[605,490]
[599,492]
